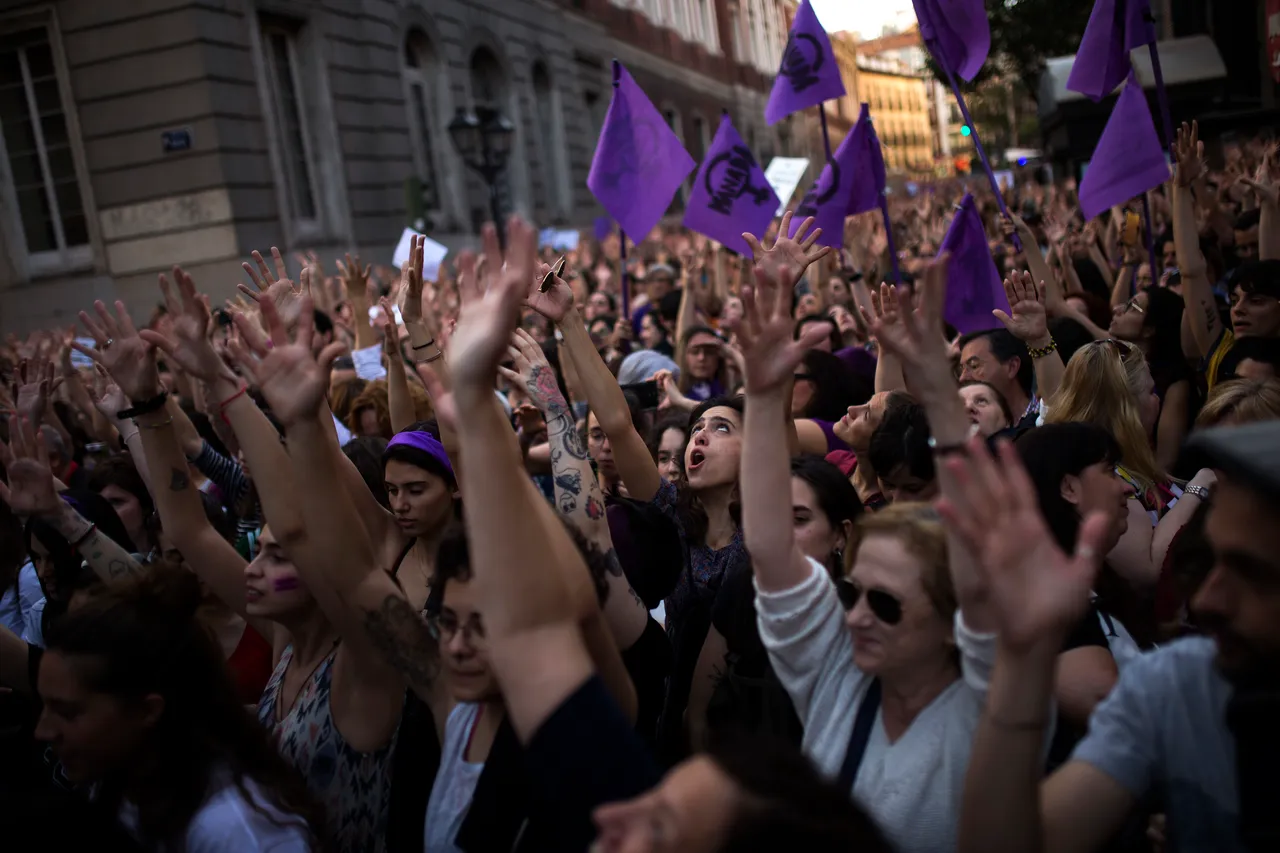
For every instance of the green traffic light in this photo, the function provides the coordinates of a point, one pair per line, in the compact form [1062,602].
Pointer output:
[965,131]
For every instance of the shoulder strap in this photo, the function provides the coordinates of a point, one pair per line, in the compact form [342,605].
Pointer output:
[861,734]
[395,570]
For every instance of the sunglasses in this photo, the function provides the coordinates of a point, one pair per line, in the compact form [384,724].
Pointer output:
[883,606]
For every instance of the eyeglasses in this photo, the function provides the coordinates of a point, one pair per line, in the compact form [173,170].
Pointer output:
[883,606]
[445,626]
[1132,305]
[804,377]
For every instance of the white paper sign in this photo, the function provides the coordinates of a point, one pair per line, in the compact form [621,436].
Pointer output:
[368,363]
[376,311]
[432,254]
[563,241]
[80,360]
[784,174]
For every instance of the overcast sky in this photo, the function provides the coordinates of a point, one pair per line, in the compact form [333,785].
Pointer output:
[867,17]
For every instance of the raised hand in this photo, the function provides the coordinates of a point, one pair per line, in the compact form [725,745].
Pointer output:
[190,347]
[290,376]
[107,396]
[793,254]
[411,281]
[34,381]
[486,320]
[534,374]
[129,359]
[764,331]
[553,303]
[1262,181]
[885,310]
[1188,155]
[31,489]
[279,287]
[915,334]
[1029,322]
[356,282]
[1036,592]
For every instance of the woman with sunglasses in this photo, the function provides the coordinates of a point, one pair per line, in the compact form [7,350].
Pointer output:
[1108,383]
[889,678]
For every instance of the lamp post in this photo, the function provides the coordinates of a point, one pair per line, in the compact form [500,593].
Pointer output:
[483,140]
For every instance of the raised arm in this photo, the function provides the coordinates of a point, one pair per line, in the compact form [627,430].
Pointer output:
[635,466]
[31,491]
[1030,325]
[522,557]
[577,492]
[1264,184]
[1201,314]
[1036,595]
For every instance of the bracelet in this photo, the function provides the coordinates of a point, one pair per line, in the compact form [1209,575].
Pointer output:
[163,423]
[423,346]
[1197,491]
[1052,347]
[227,402]
[145,407]
[432,358]
[76,544]
[946,449]
[124,439]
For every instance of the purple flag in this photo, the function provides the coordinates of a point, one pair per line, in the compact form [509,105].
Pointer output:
[973,283]
[604,227]
[1115,28]
[730,194]
[809,74]
[956,32]
[639,162]
[868,178]
[827,201]
[1129,159]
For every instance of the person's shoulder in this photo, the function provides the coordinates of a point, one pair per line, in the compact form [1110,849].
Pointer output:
[234,819]
[1185,664]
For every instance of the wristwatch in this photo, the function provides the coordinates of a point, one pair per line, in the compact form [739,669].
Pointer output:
[1198,491]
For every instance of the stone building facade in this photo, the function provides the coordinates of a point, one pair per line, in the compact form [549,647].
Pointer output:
[135,134]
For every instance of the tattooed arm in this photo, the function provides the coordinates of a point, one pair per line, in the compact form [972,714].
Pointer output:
[109,560]
[577,492]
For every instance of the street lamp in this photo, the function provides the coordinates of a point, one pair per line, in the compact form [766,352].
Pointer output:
[483,140]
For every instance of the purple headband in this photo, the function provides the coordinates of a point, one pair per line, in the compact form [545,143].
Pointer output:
[425,442]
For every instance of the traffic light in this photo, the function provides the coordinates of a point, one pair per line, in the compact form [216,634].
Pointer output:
[965,131]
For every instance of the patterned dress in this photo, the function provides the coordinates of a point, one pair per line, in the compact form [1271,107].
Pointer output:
[354,787]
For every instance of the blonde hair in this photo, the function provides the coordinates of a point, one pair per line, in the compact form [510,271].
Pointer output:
[1101,387]
[918,527]
[1241,401]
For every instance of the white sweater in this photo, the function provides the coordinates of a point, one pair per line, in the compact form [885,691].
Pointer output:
[913,787]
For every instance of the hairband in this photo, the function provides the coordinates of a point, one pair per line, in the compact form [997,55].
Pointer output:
[427,443]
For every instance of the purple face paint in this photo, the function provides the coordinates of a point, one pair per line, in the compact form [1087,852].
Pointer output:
[286,584]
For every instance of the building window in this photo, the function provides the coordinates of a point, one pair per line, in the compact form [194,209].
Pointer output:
[284,82]
[549,124]
[420,72]
[52,224]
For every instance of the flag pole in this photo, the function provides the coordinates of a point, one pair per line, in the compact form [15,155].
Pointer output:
[1162,96]
[626,288]
[982,154]
[1151,244]
[888,233]
[826,137]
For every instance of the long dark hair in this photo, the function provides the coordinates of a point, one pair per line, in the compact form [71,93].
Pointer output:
[690,508]
[835,387]
[140,637]
[837,498]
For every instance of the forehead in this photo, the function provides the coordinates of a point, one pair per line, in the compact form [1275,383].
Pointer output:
[460,596]
[1239,521]
[883,562]
[399,471]
[671,436]
[979,347]
[724,413]
[802,493]
[57,677]
[976,392]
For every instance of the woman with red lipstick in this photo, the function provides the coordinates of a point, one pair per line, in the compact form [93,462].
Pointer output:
[888,666]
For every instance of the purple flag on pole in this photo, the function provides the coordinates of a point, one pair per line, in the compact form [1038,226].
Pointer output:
[1129,159]
[730,194]
[956,32]
[809,74]
[1115,28]
[639,162]
[973,283]
[827,201]
[604,227]
[868,178]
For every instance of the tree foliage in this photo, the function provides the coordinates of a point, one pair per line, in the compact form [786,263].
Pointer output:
[1025,33]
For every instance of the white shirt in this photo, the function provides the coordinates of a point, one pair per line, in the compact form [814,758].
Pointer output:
[22,604]
[912,788]
[227,823]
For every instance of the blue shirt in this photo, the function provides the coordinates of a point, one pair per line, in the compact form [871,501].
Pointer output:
[1165,725]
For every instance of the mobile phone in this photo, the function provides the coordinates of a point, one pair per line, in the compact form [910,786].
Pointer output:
[556,270]
[222,316]
[645,392]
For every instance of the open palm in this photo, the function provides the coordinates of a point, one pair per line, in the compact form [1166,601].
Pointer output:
[31,489]
[769,353]
[286,296]
[1036,591]
[129,359]
[792,253]
[190,347]
[1029,322]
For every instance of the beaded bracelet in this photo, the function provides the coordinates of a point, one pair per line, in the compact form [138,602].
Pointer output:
[1045,350]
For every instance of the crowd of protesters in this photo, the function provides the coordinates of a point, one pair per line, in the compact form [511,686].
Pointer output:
[767,558]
